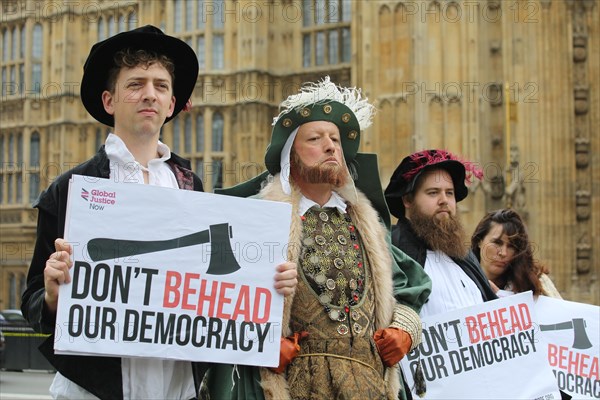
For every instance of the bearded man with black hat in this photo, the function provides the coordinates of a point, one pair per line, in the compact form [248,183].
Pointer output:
[422,194]
[354,314]
[129,84]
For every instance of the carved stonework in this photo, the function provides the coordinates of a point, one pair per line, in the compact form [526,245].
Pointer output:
[515,156]
[579,48]
[580,6]
[582,152]
[32,215]
[454,98]
[497,187]
[581,94]
[583,204]
[588,4]
[570,4]
[582,98]
[584,255]
[436,98]
[11,217]
[495,94]
[495,46]
[515,195]
[494,4]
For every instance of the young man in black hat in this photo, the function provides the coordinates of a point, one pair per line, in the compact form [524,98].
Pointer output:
[422,194]
[135,82]
[355,312]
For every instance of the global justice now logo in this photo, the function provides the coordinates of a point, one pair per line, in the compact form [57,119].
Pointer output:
[99,198]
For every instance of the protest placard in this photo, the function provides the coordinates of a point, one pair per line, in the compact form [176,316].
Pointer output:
[572,333]
[488,351]
[172,274]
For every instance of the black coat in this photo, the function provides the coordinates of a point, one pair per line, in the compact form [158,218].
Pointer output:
[405,238]
[100,376]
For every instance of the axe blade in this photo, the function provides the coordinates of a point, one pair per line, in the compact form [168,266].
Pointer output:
[580,340]
[222,260]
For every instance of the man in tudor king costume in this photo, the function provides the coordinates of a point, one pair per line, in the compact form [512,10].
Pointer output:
[355,311]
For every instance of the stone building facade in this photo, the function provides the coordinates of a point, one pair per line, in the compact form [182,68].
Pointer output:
[512,84]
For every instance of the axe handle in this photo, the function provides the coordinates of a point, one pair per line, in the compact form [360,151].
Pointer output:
[104,249]
[557,327]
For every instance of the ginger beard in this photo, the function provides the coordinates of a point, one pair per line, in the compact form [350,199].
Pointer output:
[330,173]
[444,234]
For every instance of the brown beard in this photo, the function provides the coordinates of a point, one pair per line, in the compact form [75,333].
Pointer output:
[446,235]
[319,173]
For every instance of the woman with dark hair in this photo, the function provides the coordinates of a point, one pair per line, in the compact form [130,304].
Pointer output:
[501,244]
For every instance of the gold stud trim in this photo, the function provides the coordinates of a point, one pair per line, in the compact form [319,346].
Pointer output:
[327,109]
[346,117]
[338,263]
[330,284]
[352,135]
[305,112]
[287,123]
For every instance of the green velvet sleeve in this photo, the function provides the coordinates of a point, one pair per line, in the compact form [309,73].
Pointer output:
[411,284]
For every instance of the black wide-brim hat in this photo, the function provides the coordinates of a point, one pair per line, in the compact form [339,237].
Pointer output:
[101,60]
[407,174]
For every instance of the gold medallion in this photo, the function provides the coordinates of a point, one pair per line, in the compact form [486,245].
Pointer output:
[338,263]
[334,314]
[325,298]
[320,278]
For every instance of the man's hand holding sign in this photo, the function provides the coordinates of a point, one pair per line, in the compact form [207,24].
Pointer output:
[56,272]
[132,290]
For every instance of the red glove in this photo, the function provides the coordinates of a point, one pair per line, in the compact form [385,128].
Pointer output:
[392,344]
[289,350]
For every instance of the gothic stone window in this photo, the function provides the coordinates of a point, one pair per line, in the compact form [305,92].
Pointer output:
[201,24]
[325,32]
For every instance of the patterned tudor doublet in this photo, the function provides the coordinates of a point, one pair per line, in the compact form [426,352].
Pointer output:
[335,303]
[333,265]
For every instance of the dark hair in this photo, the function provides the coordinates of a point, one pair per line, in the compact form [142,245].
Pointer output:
[523,272]
[130,58]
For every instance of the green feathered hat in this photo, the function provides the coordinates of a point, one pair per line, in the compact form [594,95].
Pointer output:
[324,101]
[321,101]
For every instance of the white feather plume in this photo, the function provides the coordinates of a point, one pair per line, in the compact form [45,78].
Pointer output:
[325,90]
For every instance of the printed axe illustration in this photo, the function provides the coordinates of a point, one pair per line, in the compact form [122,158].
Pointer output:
[222,260]
[580,339]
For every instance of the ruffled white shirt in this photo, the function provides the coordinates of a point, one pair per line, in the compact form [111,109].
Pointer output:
[125,169]
[451,287]
[334,201]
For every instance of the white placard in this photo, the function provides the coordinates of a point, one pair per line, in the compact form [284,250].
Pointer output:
[172,274]
[489,351]
[572,333]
